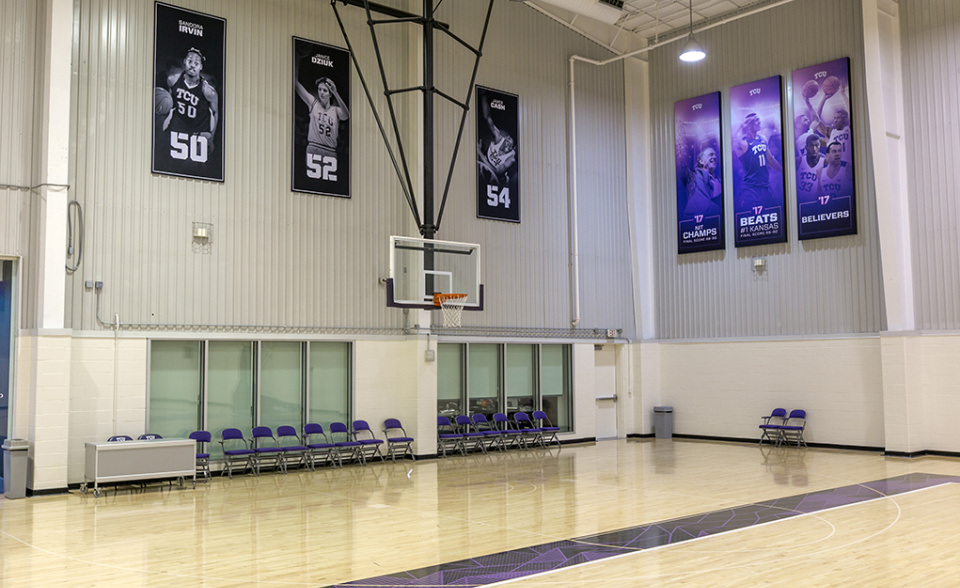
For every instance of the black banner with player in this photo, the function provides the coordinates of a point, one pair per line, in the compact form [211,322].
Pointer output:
[188,68]
[321,113]
[498,163]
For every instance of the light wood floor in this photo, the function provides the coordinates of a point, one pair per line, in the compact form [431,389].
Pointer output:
[319,528]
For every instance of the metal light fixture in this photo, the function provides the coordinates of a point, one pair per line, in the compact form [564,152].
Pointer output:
[692,51]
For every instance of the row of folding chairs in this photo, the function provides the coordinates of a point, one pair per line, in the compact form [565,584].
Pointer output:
[286,448]
[477,433]
[780,428]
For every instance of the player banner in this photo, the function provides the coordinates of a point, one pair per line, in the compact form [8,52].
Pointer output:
[826,202]
[755,123]
[699,174]
[321,113]
[498,165]
[188,67]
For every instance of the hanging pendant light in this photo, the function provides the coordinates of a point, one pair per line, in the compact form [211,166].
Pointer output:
[692,51]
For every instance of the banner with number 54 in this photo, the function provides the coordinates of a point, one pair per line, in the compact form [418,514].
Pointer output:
[498,155]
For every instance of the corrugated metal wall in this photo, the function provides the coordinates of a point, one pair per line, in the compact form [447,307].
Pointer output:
[18,105]
[824,286]
[930,34]
[280,258]
[526,268]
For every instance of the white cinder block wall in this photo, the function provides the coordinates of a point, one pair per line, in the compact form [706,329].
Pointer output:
[717,389]
[939,376]
[722,389]
[387,383]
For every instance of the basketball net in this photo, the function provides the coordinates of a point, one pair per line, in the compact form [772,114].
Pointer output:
[452,307]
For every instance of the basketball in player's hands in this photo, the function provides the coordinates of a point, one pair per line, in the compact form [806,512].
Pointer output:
[810,89]
[831,85]
[162,101]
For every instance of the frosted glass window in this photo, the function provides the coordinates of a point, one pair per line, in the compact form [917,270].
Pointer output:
[229,389]
[281,384]
[176,377]
[329,381]
[521,378]
[484,378]
[555,380]
[449,378]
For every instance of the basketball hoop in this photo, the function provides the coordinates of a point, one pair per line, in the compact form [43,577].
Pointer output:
[452,307]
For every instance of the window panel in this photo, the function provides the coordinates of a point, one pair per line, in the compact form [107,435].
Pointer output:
[521,378]
[229,388]
[281,384]
[175,384]
[555,382]
[484,378]
[329,383]
[449,378]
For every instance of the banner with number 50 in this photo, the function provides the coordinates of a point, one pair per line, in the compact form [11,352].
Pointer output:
[498,159]
[188,90]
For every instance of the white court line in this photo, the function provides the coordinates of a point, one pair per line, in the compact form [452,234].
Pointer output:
[698,572]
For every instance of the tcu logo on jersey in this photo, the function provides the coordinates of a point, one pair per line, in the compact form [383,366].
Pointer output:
[697,107]
[759,148]
[819,74]
[187,96]
[754,91]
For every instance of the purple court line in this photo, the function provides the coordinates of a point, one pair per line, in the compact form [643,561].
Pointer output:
[546,557]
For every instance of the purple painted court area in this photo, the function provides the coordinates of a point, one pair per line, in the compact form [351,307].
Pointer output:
[537,559]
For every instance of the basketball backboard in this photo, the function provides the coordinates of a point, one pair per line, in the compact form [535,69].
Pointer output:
[420,268]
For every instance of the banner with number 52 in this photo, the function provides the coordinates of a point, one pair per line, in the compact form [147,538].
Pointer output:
[498,155]
[321,119]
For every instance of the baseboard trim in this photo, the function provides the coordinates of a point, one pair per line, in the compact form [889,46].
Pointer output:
[756,442]
[922,453]
[50,491]
[575,441]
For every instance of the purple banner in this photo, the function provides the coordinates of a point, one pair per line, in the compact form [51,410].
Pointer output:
[826,203]
[699,174]
[758,206]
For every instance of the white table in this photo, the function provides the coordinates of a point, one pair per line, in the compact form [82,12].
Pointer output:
[129,461]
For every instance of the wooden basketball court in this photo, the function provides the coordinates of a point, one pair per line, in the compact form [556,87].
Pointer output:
[686,512]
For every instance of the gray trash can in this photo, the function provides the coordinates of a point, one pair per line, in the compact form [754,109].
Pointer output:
[15,468]
[663,422]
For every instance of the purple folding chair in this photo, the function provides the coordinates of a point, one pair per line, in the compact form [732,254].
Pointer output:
[548,433]
[527,429]
[397,438]
[448,437]
[292,449]
[363,434]
[509,434]
[236,450]
[266,448]
[318,444]
[491,434]
[771,427]
[203,457]
[340,435]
